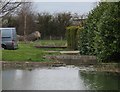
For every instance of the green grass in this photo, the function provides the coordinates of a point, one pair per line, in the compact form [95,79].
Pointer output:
[27,52]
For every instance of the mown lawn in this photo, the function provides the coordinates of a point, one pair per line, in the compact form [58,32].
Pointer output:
[27,51]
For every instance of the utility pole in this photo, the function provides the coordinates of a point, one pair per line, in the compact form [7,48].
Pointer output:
[25,16]
[25,20]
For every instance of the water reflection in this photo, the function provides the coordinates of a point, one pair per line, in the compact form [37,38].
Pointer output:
[0,80]
[61,78]
[58,78]
[0,76]
[100,80]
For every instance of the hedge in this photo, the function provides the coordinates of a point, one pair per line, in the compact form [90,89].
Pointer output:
[72,40]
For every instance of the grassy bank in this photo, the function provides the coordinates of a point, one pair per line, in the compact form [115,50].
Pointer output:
[27,51]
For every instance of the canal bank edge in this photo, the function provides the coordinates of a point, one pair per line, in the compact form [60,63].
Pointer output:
[103,67]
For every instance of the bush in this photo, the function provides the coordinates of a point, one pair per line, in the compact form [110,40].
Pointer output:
[108,47]
[87,34]
[101,33]
[83,42]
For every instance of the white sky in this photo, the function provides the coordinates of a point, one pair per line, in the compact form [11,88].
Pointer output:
[64,0]
[56,7]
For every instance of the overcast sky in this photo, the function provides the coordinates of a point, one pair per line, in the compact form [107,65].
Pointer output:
[56,7]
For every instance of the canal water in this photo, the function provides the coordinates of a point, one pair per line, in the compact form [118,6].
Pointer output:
[59,78]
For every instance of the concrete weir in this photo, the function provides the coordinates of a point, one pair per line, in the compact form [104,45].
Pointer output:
[76,59]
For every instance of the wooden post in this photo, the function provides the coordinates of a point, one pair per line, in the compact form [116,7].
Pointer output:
[61,38]
[50,37]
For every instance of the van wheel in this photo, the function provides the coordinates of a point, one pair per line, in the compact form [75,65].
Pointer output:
[3,46]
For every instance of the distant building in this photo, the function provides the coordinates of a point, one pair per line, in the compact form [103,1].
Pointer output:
[78,20]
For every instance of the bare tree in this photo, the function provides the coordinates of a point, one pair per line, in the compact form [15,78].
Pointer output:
[8,6]
[26,19]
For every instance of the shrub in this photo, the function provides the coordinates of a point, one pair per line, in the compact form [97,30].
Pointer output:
[101,33]
[83,42]
[108,46]
[87,34]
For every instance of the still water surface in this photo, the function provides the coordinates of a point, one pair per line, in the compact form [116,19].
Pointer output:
[59,78]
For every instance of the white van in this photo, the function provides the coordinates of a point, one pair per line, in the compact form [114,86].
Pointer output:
[9,38]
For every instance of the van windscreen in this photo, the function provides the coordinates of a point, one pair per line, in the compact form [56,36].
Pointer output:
[6,34]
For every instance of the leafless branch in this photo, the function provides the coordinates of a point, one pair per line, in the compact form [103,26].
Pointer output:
[8,7]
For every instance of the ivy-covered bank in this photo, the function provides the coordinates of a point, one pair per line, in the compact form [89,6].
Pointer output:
[100,34]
